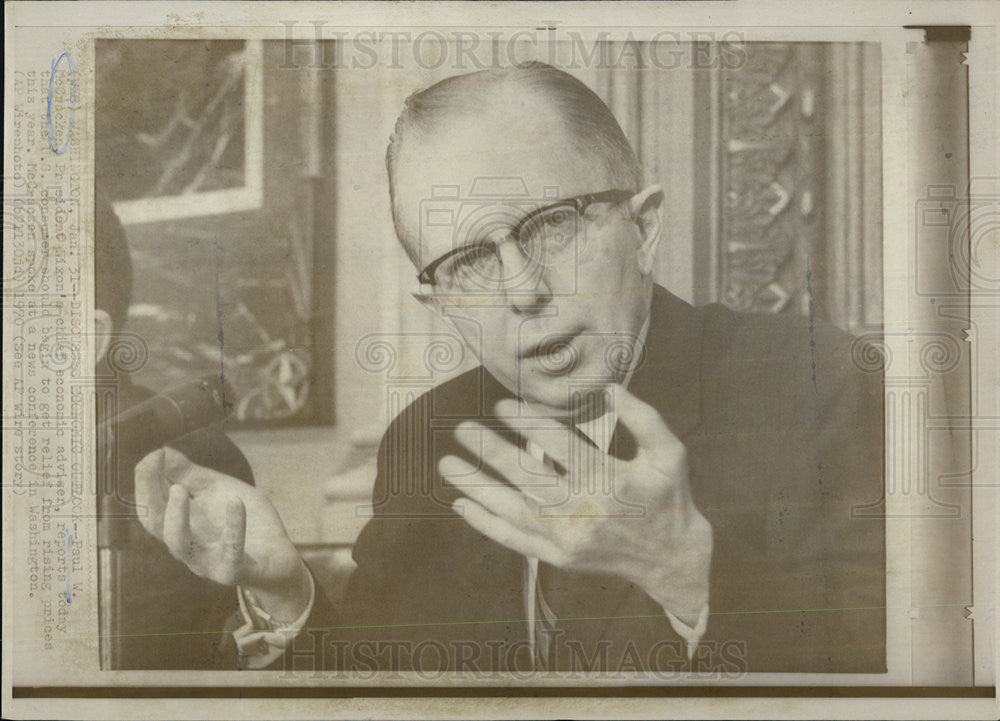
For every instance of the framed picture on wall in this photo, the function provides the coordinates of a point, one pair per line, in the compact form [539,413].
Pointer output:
[207,167]
[196,134]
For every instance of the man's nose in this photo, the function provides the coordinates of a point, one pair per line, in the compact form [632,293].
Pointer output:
[525,286]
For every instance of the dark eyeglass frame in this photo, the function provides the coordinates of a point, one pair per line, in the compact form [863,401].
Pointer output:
[579,202]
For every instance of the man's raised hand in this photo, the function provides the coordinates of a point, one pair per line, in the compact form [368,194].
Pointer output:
[222,529]
[596,514]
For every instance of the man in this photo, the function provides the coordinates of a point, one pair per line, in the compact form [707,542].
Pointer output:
[625,483]
[162,615]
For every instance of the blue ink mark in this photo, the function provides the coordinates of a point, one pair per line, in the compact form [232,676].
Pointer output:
[948,155]
[72,107]
[69,566]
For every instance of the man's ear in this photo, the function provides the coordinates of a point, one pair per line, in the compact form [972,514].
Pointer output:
[103,328]
[431,302]
[428,301]
[644,208]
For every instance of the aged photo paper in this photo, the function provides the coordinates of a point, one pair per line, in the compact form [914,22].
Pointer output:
[445,359]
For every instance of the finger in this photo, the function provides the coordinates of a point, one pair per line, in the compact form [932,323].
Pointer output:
[508,459]
[234,540]
[196,479]
[177,467]
[548,434]
[497,498]
[642,420]
[177,525]
[505,533]
[151,489]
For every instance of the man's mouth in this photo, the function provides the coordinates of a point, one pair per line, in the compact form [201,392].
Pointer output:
[555,353]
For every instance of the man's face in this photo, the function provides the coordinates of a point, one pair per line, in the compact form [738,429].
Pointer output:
[547,332]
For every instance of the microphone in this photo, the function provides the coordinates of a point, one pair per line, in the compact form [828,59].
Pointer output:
[138,431]
[152,424]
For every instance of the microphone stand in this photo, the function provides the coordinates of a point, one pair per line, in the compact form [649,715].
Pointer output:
[114,511]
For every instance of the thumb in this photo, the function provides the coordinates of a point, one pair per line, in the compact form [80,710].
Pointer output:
[642,420]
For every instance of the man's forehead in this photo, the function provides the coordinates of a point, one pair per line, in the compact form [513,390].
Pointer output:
[497,164]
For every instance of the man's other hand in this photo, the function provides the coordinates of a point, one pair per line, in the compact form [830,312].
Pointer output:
[222,529]
[635,519]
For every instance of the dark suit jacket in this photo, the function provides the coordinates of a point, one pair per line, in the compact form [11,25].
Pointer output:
[784,437]
[166,617]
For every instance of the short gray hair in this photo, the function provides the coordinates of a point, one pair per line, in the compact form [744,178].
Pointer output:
[584,113]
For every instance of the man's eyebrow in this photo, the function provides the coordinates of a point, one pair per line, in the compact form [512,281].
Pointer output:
[472,245]
[459,251]
[557,203]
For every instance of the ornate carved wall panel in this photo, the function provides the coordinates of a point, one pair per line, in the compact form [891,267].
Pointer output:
[792,186]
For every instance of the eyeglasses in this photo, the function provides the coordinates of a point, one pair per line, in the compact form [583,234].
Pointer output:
[542,236]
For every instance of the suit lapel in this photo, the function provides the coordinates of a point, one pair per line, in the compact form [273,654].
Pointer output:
[669,373]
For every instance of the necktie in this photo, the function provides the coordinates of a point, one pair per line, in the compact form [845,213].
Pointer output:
[546,579]
[545,620]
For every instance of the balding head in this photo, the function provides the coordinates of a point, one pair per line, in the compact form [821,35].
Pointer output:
[556,113]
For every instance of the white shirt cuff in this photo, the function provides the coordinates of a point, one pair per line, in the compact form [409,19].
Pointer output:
[262,640]
[692,636]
